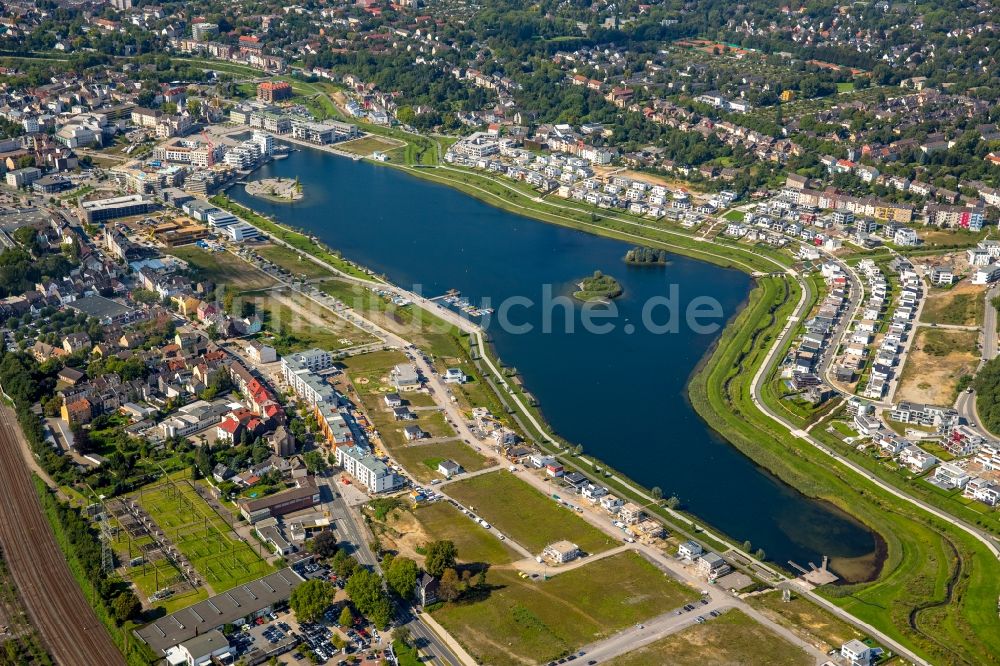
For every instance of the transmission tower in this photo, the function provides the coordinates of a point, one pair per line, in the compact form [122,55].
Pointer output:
[107,552]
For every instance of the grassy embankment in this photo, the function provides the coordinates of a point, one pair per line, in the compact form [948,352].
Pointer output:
[775,393]
[915,570]
[938,587]
[298,240]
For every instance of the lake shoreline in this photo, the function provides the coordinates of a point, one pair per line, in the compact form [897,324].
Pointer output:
[701,254]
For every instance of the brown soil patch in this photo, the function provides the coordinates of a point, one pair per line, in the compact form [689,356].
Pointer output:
[406,534]
[932,372]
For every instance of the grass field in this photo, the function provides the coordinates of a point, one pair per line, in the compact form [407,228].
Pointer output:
[423,329]
[293,238]
[733,639]
[525,515]
[369,144]
[222,268]
[223,560]
[441,520]
[526,621]
[289,260]
[421,460]
[299,324]
[962,305]
[369,374]
[937,588]
[810,622]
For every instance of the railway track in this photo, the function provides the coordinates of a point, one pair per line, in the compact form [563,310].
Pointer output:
[68,626]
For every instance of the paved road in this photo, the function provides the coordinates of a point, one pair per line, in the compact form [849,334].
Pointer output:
[990,325]
[429,643]
[669,623]
[965,405]
[625,641]
[765,369]
[66,622]
[756,386]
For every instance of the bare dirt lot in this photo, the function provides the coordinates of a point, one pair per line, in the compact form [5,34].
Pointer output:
[937,361]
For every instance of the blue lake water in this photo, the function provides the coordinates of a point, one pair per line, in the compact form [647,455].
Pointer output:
[622,394]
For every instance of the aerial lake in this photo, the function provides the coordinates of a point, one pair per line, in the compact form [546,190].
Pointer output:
[620,394]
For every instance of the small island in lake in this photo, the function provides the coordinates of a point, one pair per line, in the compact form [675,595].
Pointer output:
[646,256]
[598,287]
[276,189]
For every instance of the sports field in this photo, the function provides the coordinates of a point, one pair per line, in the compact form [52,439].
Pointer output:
[201,534]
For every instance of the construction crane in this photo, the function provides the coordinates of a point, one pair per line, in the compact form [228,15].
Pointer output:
[211,148]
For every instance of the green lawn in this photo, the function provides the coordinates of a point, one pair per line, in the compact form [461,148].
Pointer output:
[368,144]
[733,638]
[290,260]
[222,268]
[295,331]
[520,620]
[923,554]
[421,460]
[525,515]
[293,238]
[441,520]
[201,534]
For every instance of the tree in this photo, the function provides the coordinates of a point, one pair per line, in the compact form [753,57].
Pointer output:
[346,618]
[325,544]
[441,555]
[366,591]
[311,599]
[760,554]
[673,502]
[125,606]
[449,586]
[656,492]
[402,576]
[314,461]
[747,546]
[344,564]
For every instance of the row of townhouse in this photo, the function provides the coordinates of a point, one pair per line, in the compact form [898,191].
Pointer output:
[887,357]
[246,54]
[871,176]
[867,206]
[804,361]
[957,475]
[572,177]
[942,418]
